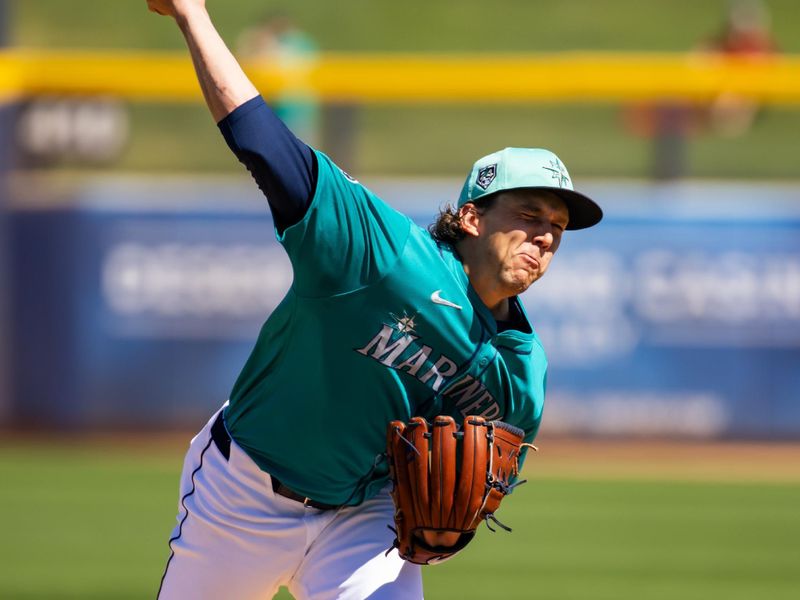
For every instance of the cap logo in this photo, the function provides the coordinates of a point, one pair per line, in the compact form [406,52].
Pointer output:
[559,172]
[486,176]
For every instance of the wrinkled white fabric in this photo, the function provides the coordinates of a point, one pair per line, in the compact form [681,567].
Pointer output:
[237,540]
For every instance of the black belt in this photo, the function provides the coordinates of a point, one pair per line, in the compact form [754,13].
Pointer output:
[223,441]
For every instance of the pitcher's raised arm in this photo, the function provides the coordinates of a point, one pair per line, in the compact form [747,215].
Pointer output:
[225,85]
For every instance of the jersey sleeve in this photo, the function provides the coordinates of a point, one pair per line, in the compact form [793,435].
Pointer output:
[283,166]
[348,238]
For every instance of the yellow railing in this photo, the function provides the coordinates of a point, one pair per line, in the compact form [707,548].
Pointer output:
[414,78]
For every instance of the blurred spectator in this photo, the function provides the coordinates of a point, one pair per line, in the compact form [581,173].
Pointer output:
[278,40]
[745,34]
[746,31]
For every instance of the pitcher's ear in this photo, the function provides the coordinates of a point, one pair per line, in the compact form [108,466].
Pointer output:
[470,218]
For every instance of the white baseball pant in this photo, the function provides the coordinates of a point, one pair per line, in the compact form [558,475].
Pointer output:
[236,539]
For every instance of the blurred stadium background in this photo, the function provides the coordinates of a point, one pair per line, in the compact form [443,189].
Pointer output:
[137,264]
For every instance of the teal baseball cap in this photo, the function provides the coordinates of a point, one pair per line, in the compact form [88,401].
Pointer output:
[536,168]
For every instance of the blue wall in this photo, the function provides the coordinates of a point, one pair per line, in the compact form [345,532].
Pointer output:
[137,303]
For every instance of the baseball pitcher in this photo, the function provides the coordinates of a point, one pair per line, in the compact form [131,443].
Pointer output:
[397,352]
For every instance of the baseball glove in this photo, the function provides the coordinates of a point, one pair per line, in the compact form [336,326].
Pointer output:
[447,481]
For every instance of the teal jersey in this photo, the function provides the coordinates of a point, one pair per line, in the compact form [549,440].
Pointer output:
[380,323]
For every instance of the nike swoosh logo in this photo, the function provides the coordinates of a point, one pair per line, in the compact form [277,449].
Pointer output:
[437,299]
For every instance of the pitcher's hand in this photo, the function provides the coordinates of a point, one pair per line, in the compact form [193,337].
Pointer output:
[174,8]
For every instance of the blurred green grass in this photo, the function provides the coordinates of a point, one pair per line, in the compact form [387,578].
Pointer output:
[92,521]
[417,25]
[423,140]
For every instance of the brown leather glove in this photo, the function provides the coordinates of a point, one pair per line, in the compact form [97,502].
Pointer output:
[447,481]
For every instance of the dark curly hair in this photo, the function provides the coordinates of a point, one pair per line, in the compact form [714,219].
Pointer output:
[447,226]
